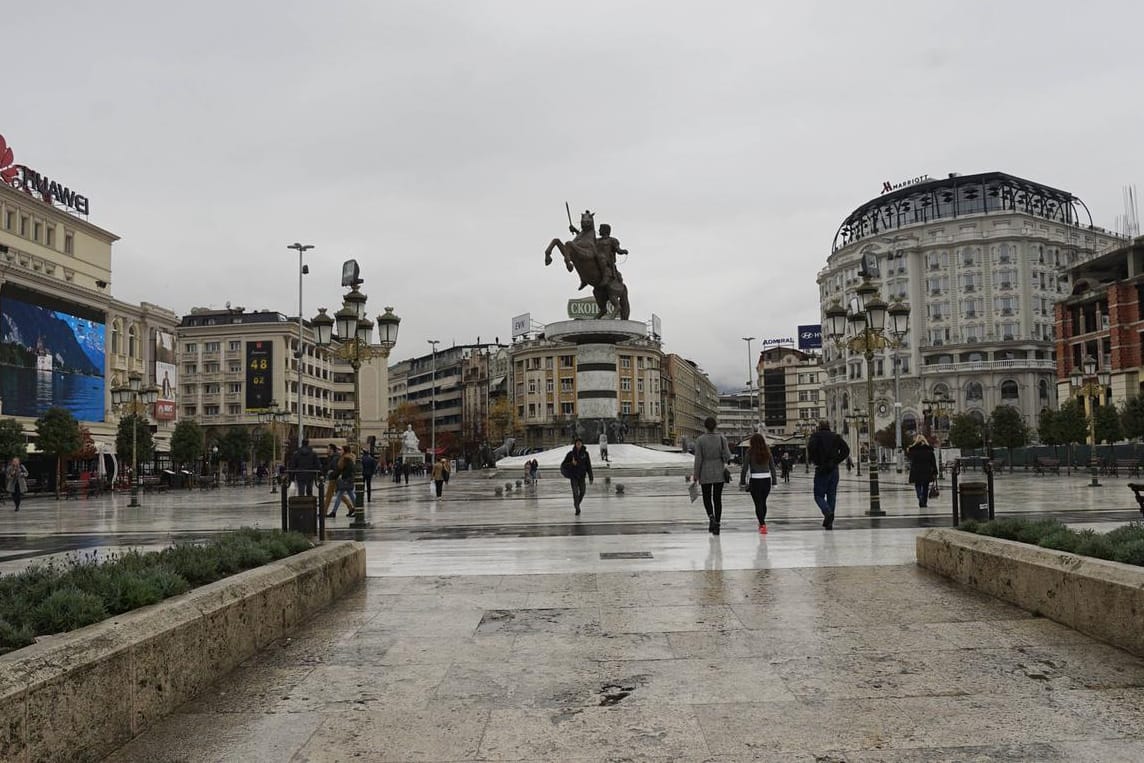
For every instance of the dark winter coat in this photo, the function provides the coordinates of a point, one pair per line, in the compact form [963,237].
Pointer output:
[923,464]
[577,465]
[826,450]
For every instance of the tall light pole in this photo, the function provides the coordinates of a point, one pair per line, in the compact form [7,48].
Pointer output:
[272,415]
[355,346]
[1092,386]
[433,401]
[302,270]
[133,396]
[867,334]
[751,370]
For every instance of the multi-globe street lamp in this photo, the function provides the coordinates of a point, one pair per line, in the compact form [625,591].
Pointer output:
[134,397]
[1091,384]
[354,344]
[303,269]
[867,334]
[936,410]
[272,415]
[857,421]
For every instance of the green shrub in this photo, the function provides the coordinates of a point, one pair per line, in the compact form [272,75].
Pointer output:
[1123,544]
[86,588]
[1062,539]
[67,609]
[1130,552]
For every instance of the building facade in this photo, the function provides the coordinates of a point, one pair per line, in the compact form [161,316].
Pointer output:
[791,382]
[689,397]
[65,340]
[980,261]
[1102,318]
[234,364]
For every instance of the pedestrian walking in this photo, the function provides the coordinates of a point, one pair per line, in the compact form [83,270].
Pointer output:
[761,473]
[712,455]
[304,468]
[534,471]
[406,470]
[16,481]
[368,469]
[331,468]
[603,441]
[440,475]
[576,466]
[344,484]
[923,468]
[785,463]
[826,450]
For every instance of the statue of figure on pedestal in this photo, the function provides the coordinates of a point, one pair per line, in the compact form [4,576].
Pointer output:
[410,443]
[594,260]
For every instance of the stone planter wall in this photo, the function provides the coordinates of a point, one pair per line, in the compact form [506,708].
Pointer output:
[78,696]
[1102,599]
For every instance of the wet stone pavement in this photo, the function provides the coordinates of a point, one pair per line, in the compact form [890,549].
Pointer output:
[508,629]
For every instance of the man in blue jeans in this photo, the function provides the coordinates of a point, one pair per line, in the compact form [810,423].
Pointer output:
[826,450]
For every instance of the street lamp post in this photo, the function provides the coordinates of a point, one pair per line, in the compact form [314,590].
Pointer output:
[868,334]
[1091,385]
[750,382]
[354,345]
[272,415]
[433,401]
[134,396]
[302,270]
[937,408]
[857,423]
[806,428]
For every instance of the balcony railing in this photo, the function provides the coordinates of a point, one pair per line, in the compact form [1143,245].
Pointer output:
[1037,364]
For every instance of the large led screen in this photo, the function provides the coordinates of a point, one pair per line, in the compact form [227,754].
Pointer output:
[51,354]
[166,375]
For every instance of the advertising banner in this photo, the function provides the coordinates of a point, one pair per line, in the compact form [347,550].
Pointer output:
[166,376]
[810,337]
[259,375]
[51,354]
[521,324]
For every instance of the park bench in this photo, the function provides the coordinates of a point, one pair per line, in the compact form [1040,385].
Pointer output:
[1138,490]
[89,488]
[1042,465]
[1126,466]
[154,485]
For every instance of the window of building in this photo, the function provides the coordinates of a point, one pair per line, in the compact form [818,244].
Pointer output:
[1006,305]
[9,219]
[1009,391]
[566,409]
[210,410]
[1004,255]
[626,409]
[532,410]
[50,236]
[937,284]
[190,347]
[233,387]
[625,361]
[548,363]
[625,384]
[1008,330]
[190,368]
[36,229]
[532,386]
[639,362]
[968,257]
[567,361]
[23,226]
[235,368]
[69,243]
[189,410]
[548,385]
[210,368]
[116,338]
[210,346]
[132,342]
[639,385]
[234,345]
[974,392]
[565,385]
[971,281]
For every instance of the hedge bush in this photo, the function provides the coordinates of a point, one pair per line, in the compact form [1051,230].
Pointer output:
[60,596]
[1124,544]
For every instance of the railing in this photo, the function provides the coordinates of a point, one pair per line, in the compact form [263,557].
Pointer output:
[1039,364]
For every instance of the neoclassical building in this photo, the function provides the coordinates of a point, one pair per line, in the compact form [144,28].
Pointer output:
[981,260]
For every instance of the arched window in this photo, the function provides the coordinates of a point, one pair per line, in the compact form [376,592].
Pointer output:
[909,424]
[116,337]
[974,392]
[132,342]
[977,416]
[1043,390]
[1009,391]
[845,401]
[941,390]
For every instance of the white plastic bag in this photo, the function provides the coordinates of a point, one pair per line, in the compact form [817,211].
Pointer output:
[693,491]
[432,488]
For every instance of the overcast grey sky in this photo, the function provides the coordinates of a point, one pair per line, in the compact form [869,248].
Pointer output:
[436,143]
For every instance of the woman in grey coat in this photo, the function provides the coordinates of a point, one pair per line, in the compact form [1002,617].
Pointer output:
[16,480]
[712,454]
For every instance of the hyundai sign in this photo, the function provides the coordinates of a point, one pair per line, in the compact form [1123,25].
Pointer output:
[810,337]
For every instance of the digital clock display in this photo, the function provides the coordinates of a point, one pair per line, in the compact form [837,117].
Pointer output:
[259,375]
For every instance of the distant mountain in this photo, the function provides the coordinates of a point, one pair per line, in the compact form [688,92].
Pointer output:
[23,324]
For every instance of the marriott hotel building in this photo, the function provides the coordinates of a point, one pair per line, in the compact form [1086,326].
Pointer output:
[981,260]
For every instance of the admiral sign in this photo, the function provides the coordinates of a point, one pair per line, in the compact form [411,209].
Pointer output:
[33,183]
[778,342]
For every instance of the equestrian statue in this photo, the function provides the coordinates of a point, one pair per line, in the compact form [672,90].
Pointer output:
[594,260]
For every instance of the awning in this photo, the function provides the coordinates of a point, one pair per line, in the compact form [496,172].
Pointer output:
[497,381]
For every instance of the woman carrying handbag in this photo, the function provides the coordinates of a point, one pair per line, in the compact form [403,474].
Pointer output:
[712,454]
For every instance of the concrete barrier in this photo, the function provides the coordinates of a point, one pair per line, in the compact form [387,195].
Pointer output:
[1102,599]
[78,696]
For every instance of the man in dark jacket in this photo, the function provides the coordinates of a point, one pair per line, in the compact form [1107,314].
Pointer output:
[304,466]
[576,466]
[923,468]
[826,450]
[368,469]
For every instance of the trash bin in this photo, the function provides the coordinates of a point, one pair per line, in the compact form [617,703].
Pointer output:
[973,500]
[302,514]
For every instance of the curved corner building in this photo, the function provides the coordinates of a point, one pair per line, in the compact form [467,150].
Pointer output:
[980,259]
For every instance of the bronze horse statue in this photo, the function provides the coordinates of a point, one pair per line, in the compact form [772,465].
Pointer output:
[596,268]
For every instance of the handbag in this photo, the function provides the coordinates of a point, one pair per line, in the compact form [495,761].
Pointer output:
[693,491]
[933,491]
[726,475]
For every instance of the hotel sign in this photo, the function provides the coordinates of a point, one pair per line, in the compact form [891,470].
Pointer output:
[887,186]
[33,183]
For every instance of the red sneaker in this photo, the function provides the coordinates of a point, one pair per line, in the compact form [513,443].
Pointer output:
[762,529]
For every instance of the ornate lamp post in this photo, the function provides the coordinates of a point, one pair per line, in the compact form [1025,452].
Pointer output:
[272,415]
[1091,385]
[937,408]
[354,345]
[858,424]
[303,269]
[867,334]
[135,398]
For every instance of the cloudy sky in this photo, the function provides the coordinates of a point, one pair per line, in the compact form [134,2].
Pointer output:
[437,142]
